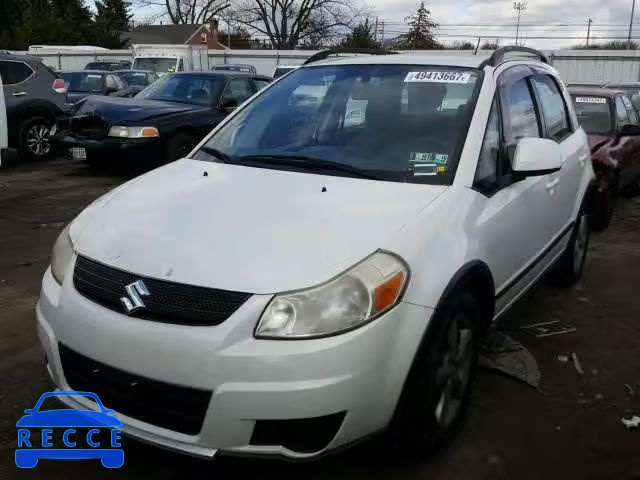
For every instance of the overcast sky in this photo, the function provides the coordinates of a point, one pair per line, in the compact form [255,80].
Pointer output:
[491,18]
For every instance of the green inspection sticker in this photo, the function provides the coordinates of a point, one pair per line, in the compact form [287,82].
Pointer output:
[437,158]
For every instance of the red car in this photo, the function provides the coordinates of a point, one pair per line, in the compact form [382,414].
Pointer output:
[613,126]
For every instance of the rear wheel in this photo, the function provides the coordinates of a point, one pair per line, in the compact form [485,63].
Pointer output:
[34,138]
[437,389]
[179,146]
[571,264]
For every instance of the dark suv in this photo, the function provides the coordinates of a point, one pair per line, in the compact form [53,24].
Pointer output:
[34,99]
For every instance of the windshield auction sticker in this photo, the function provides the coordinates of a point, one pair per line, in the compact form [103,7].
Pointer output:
[438,77]
[591,100]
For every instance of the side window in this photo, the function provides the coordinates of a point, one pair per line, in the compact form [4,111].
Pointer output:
[519,116]
[631,111]
[111,83]
[14,72]
[553,106]
[180,65]
[621,113]
[487,175]
[236,92]
[260,83]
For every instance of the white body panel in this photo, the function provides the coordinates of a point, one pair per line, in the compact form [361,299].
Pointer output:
[265,231]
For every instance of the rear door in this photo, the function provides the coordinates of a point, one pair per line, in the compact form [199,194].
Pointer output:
[563,187]
[630,161]
[15,76]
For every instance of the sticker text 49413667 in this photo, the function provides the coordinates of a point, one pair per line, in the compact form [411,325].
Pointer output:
[438,77]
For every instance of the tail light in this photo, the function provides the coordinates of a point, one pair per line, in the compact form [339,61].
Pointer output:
[59,86]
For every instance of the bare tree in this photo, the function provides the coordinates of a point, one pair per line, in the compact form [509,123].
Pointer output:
[188,11]
[290,23]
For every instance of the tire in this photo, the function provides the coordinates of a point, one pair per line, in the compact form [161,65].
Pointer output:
[179,146]
[571,264]
[34,142]
[603,209]
[436,393]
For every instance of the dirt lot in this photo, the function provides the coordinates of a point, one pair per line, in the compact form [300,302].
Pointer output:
[568,429]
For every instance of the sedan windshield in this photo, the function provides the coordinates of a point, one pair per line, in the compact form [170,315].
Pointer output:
[83,82]
[594,114]
[398,123]
[197,89]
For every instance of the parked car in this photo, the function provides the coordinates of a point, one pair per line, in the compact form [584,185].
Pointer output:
[281,70]
[613,126]
[631,89]
[297,284]
[108,66]
[160,124]
[34,98]
[241,67]
[82,83]
[4,136]
[136,80]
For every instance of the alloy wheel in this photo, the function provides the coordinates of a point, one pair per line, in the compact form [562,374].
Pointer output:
[38,141]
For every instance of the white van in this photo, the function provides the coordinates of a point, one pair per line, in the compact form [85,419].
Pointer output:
[4,140]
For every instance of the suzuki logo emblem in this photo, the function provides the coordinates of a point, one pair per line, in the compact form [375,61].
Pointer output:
[132,301]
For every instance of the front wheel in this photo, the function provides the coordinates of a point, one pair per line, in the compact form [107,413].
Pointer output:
[437,389]
[34,138]
[179,146]
[571,264]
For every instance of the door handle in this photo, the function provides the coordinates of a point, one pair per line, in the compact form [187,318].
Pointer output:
[552,184]
[19,94]
[583,158]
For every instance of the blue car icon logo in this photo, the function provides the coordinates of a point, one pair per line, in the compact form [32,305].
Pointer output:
[29,452]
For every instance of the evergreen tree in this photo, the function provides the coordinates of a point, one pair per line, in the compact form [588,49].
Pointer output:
[362,36]
[420,35]
[111,20]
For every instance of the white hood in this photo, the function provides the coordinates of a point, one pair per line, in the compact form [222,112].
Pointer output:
[244,229]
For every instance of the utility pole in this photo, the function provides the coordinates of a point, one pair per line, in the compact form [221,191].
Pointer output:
[633,9]
[376,30]
[589,31]
[382,33]
[520,6]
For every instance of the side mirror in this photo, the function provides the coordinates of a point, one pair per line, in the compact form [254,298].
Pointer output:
[536,157]
[228,105]
[629,130]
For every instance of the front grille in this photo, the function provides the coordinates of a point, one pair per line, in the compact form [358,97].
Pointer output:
[84,126]
[167,302]
[181,409]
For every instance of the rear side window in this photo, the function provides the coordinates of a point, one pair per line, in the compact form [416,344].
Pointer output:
[621,113]
[260,83]
[631,111]
[520,116]
[14,72]
[554,109]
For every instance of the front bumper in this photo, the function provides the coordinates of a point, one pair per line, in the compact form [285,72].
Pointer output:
[361,372]
[113,150]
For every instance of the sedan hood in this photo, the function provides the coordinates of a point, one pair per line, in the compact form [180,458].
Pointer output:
[597,141]
[131,110]
[244,229]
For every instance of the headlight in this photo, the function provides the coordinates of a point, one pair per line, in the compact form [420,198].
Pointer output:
[133,132]
[355,297]
[61,256]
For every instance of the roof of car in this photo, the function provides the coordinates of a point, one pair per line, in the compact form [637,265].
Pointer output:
[84,71]
[470,61]
[127,70]
[594,91]
[224,73]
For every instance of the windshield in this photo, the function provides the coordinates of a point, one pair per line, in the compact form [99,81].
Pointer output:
[196,89]
[83,82]
[134,78]
[161,65]
[594,114]
[391,122]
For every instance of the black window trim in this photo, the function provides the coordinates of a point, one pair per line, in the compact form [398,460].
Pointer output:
[33,71]
[501,153]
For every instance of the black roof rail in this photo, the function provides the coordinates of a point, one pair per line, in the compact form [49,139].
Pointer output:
[499,55]
[336,51]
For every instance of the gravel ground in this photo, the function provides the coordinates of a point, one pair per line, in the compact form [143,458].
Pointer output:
[569,428]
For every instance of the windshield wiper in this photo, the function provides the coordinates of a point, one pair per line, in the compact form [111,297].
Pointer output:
[308,163]
[223,157]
